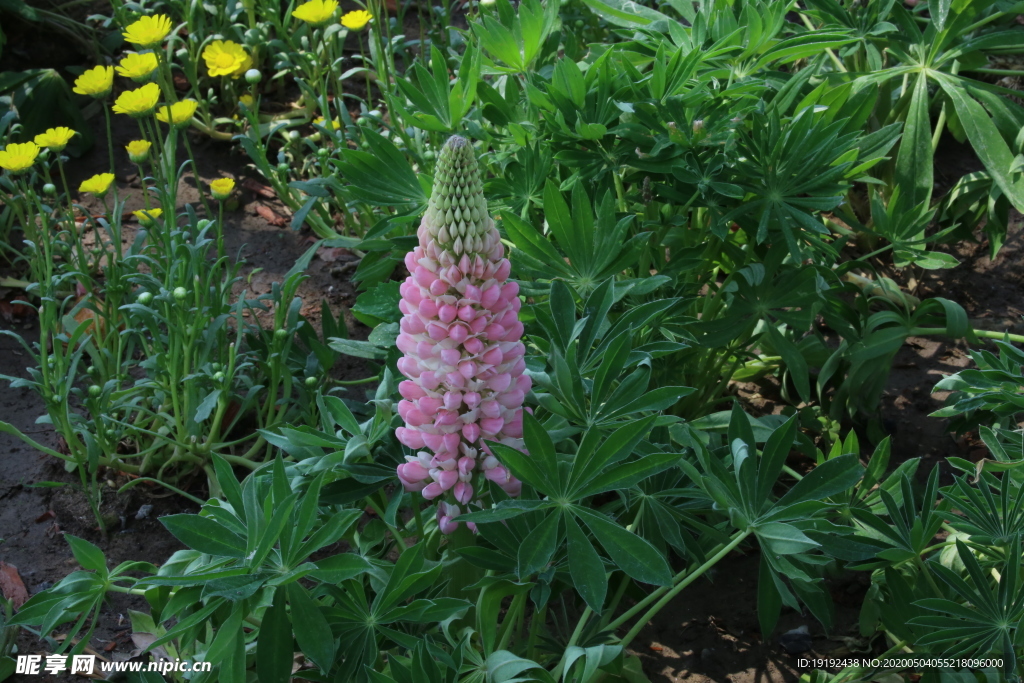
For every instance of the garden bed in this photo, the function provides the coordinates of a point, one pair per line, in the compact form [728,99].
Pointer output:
[709,634]
[716,331]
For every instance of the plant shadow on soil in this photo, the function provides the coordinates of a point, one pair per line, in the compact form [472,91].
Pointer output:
[708,634]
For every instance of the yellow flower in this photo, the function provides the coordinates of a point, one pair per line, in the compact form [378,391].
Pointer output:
[138,150]
[221,188]
[55,138]
[226,58]
[316,12]
[179,113]
[98,185]
[147,216]
[356,19]
[96,82]
[247,100]
[148,31]
[137,102]
[137,66]
[321,121]
[19,157]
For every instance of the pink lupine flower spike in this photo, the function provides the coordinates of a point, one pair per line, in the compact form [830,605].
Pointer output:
[460,336]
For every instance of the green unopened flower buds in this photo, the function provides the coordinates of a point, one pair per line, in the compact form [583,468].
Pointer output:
[50,190]
[218,377]
[311,381]
[95,390]
[253,76]
[180,293]
[145,298]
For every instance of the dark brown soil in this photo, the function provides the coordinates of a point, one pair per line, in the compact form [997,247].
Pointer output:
[710,633]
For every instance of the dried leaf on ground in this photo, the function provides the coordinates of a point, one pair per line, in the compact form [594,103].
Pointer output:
[259,188]
[332,254]
[12,586]
[270,216]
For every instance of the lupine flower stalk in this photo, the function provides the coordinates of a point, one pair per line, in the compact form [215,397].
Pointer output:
[460,336]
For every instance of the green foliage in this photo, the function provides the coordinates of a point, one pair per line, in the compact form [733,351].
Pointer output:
[691,195]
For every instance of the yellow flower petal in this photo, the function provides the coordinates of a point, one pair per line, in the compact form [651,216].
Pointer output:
[137,66]
[356,19]
[138,150]
[138,102]
[148,31]
[98,185]
[96,82]
[55,138]
[221,188]
[226,58]
[18,157]
[147,216]
[178,113]
[316,11]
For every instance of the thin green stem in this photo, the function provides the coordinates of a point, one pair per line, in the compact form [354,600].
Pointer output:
[664,594]
[557,673]
[136,482]
[832,55]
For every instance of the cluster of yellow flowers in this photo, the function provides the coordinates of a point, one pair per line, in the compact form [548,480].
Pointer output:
[19,157]
[223,58]
[319,12]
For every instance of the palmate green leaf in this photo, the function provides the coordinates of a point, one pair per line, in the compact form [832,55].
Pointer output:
[488,608]
[593,658]
[312,632]
[659,399]
[274,643]
[506,509]
[783,539]
[225,646]
[773,457]
[524,468]
[991,619]
[585,567]
[794,361]
[769,599]
[914,160]
[628,475]
[542,450]
[275,528]
[803,46]
[827,479]
[205,535]
[378,304]
[426,611]
[536,251]
[589,464]
[629,14]
[381,175]
[505,667]
[630,553]
[985,138]
[538,547]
